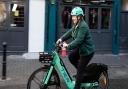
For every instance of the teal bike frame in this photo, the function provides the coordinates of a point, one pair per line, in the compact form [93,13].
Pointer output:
[64,73]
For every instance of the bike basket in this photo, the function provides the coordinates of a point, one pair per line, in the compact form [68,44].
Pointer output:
[45,57]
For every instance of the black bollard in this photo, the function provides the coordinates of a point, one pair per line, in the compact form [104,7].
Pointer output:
[4,61]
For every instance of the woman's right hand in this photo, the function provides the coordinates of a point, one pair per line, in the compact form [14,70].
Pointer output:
[58,41]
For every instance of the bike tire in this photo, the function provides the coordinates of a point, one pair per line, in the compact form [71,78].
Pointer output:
[103,81]
[36,78]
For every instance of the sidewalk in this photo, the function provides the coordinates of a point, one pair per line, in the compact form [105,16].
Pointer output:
[19,68]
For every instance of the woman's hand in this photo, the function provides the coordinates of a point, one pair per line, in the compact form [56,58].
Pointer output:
[58,41]
[65,45]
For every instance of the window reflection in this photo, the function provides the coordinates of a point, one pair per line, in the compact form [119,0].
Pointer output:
[93,18]
[66,17]
[81,1]
[3,13]
[124,4]
[67,0]
[105,20]
[83,8]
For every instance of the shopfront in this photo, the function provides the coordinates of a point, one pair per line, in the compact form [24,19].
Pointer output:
[107,25]
[14,25]
[99,17]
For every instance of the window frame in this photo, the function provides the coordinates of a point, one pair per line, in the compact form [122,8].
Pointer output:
[10,15]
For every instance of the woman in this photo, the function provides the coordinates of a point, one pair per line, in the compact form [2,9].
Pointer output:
[81,46]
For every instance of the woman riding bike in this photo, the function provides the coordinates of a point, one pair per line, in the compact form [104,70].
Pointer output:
[82,46]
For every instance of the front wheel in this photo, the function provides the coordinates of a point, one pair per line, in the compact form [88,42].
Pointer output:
[36,78]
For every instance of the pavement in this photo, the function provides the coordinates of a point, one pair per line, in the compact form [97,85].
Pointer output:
[19,68]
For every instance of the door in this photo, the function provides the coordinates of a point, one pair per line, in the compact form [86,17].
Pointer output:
[124,32]
[14,28]
[100,24]
[3,22]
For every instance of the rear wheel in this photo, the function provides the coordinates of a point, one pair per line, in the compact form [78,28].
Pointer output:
[103,81]
[36,78]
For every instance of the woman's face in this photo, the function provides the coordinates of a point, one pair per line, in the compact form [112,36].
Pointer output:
[75,19]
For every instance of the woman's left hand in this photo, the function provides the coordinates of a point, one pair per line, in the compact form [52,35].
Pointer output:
[65,45]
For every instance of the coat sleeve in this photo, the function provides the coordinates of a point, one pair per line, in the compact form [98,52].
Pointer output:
[67,35]
[79,39]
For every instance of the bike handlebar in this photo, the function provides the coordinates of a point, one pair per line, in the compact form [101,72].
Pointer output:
[59,46]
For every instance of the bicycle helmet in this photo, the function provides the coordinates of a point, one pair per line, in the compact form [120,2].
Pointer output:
[77,11]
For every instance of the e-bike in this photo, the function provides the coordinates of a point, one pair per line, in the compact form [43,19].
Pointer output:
[47,77]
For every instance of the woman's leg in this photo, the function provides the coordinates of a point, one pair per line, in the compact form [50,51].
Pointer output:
[84,60]
[74,57]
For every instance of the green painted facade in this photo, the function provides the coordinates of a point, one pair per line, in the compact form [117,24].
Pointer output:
[51,32]
[116,27]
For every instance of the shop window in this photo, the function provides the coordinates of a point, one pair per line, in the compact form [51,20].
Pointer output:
[17,15]
[66,17]
[124,5]
[3,13]
[67,1]
[17,0]
[82,1]
[76,1]
[93,18]
[84,9]
[105,18]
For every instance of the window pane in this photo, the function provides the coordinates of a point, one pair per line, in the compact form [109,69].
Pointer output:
[17,15]
[93,18]
[81,1]
[66,17]
[76,1]
[124,5]
[67,0]
[3,13]
[17,0]
[105,20]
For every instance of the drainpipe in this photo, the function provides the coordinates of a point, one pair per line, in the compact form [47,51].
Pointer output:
[50,40]
[52,25]
[116,27]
